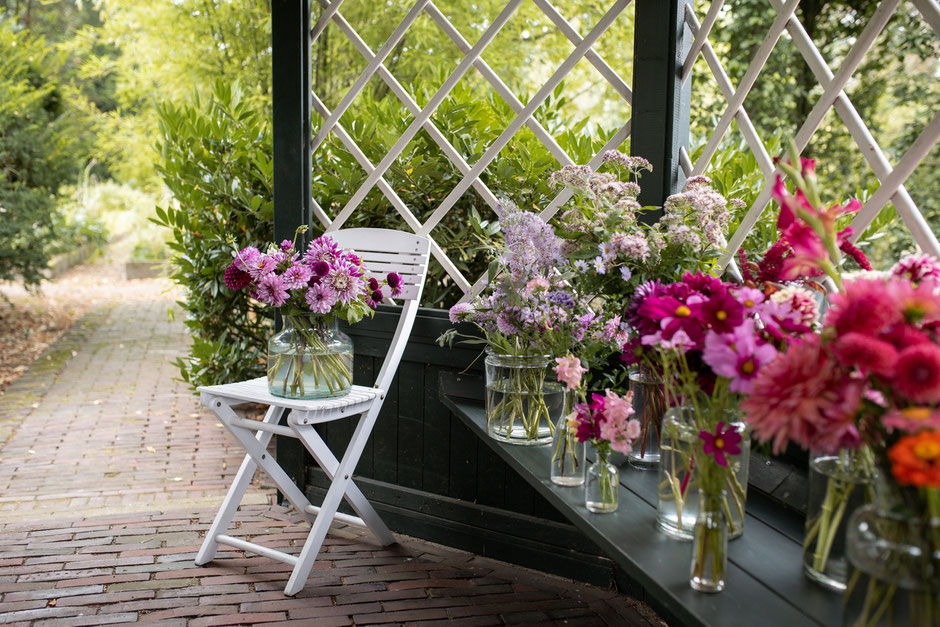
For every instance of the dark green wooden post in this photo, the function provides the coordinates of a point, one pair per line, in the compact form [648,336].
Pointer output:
[660,101]
[290,28]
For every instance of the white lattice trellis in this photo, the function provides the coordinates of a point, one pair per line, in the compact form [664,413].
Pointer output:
[785,24]
[891,179]
[583,49]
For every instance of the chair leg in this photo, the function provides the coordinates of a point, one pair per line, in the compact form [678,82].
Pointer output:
[328,462]
[339,487]
[237,490]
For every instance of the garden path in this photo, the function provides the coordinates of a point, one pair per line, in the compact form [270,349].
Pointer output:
[110,473]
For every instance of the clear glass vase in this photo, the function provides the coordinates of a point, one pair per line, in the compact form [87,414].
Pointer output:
[838,485]
[895,569]
[568,461]
[678,487]
[523,398]
[649,406]
[709,543]
[602,488]
[310,358]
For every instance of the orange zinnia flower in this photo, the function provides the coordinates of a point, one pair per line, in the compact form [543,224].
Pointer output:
[915,459]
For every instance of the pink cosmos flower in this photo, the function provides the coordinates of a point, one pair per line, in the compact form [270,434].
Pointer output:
[749,297]
[297,276]
[722,442]
[271,290]
[320,298]
[673,315]
[738,356]
[722,312]
[569,370]
[917,375]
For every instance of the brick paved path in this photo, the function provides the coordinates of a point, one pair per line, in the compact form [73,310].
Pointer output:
[110,473]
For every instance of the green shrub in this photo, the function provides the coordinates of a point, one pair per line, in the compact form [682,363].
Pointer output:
[39,151]
[215,157]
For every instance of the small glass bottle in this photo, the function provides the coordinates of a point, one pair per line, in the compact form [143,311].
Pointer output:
[709,544]
[567,456]
[602,489]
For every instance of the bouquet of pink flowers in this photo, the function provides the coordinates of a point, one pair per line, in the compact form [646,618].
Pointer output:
[312,289]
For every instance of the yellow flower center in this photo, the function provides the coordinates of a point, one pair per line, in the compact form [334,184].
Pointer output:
[916,413]
[721,315]
[927,450]
[719,443]
[748,303]
[748,367]
[683,312]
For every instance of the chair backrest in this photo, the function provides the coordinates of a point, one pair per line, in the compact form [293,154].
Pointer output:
[383,251]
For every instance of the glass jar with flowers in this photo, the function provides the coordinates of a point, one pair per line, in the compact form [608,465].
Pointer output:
[706,335]
[528,314]
[605,421]
[310,357]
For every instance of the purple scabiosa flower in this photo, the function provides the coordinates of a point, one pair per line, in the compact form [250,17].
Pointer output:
[373,284]
[271,290]
[625,273]
[395,282]
[320,298]
[261,266]
[235,278]
[458,311]
[321,268]
[246,257]
[344,282]
[375,297]
[297,276]
[505,325]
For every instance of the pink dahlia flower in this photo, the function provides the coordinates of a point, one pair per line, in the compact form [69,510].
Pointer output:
[917,268]
[866,307]
[271,290]
[297,276]
[917,375]
[867,353]
[804,396]
[320,298]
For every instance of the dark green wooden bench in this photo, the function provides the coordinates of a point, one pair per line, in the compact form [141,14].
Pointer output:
[765,585]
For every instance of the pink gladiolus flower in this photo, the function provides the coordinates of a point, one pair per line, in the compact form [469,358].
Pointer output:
[722,442]
[569,371]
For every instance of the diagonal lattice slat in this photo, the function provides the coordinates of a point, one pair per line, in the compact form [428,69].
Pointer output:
[833,97]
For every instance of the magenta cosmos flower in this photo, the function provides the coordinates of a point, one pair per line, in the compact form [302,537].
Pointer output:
[722,442]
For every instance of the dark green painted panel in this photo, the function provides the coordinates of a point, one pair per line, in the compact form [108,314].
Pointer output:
[436,435]
[411,424]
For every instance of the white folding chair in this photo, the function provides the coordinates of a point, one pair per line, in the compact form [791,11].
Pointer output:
[382,251]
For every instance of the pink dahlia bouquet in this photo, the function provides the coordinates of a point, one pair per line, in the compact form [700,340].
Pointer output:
[313,289]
